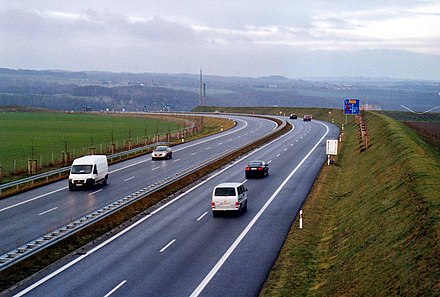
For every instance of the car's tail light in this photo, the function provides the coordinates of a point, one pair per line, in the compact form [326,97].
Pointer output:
[213,204]
[237,204]
[248,168]
[260,168]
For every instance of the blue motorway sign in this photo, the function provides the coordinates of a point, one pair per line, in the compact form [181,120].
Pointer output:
[351,106]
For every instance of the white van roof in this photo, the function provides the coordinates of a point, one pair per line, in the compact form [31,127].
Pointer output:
[230,184]
[89,159]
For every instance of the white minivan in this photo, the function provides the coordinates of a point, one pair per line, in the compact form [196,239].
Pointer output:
[88,170]
[229,197]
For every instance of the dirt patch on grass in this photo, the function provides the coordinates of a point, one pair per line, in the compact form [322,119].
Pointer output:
[430,131]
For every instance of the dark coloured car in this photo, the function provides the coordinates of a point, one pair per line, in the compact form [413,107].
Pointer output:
[162,152]
[257,169]
[293,116]
[307,118]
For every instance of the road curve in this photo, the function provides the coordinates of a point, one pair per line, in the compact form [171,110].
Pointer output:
[29,215]
[180,249]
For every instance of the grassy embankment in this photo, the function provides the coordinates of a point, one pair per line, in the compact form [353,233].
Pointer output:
[371,223]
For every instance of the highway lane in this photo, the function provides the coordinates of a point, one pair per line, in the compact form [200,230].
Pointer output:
[180,249]
[29,215]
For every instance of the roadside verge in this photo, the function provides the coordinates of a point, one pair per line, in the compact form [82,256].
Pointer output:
[371,222]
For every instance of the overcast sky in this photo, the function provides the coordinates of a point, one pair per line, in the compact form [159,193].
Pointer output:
[295,38]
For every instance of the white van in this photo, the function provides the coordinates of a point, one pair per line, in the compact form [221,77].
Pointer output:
[229,197]
[88,170]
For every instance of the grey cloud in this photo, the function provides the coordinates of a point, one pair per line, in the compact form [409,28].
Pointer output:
[161,30]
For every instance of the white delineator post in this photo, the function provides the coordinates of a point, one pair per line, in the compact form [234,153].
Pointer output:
[301,219]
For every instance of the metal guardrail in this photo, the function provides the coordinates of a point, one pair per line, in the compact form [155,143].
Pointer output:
[46,175]
[26,250]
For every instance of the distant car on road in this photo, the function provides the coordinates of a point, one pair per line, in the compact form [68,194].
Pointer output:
[256,168]
[293,116]
[162,152]
[307,118]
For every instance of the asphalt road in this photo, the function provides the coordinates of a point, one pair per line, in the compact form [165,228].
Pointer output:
[180,249]
[29,215]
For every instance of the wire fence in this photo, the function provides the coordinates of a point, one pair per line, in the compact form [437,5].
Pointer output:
[49,160]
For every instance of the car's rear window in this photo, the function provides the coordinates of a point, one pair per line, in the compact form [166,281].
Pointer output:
[254,164]
[224,192]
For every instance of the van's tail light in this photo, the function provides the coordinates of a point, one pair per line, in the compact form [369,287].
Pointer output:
[237,204]
[213,204]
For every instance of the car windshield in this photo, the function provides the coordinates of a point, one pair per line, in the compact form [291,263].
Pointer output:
[79,169]
[161,148]
[224,192]
[255,164]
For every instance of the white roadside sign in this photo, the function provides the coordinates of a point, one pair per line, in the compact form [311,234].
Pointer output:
[332,147]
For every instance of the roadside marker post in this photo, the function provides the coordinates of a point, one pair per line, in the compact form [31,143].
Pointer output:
[301,219]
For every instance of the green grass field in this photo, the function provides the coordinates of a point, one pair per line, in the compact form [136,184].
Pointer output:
[41,135]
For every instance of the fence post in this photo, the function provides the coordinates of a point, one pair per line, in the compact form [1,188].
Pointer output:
[32,166]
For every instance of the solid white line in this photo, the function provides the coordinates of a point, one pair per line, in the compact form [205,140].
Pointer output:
[155,168]
[116,236]
[167,246]
[32,199]
[127,179]
[223,259]
[201,217]
[95,192]
[115,288]
[44,212]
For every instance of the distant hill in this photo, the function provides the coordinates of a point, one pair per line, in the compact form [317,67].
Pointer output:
[98,90]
